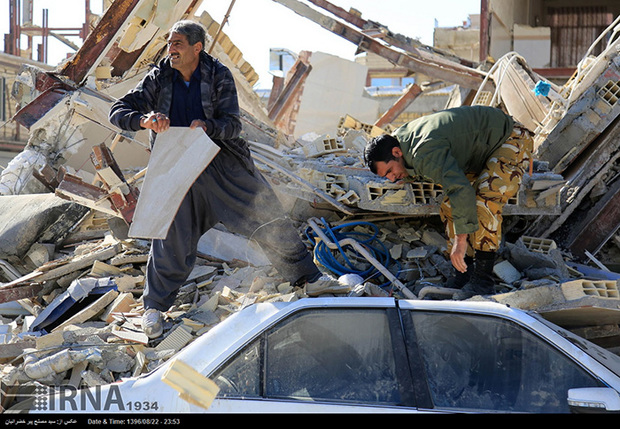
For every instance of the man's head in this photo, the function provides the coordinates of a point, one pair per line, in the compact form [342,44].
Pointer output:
[384,157]
[186,40]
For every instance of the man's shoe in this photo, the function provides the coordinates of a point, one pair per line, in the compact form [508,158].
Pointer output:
[474,288]
[481,281]
[326,284]
[152,323]
[459,279]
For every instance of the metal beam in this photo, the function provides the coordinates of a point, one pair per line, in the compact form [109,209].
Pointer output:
[382,32]
[446,71]
[99,41]
[601,223]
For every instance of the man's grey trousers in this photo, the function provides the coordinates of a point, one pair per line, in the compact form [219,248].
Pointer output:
[245,204]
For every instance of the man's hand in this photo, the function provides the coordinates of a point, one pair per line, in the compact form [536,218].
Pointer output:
[457,255]
[157,122]
[197,123]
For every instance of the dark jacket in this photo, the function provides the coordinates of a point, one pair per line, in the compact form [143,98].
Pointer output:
[219,103]
[445,146]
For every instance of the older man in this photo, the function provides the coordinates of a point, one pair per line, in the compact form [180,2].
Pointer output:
[478,155]
[190,88]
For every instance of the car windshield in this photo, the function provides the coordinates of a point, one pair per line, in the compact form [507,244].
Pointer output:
[601,355]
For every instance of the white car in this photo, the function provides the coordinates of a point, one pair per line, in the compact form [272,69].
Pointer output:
[338,355]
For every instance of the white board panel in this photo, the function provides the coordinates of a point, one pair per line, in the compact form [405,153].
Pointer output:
[179,156]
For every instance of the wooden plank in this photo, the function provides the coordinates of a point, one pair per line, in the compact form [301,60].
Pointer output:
[179,156]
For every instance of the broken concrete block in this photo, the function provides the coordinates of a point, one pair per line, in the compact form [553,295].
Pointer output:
[530,299]
[506,272]
[76,374]
[119,362]
[23,218]
[396,251]
[39,254]
[418,253]
[59,362]
[408,234]
[433,238]
[93,379]
[600,288]
[49,340]
[350,198]
[425,192]
[532,263]
[322,146]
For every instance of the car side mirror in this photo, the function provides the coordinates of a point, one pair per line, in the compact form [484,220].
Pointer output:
[594,400]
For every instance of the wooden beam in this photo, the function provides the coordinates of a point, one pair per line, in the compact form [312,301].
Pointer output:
[399,107]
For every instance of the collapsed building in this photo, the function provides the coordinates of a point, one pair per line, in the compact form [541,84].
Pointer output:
[72,265]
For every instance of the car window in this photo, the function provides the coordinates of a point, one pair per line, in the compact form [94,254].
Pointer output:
[486,363]
[332,355]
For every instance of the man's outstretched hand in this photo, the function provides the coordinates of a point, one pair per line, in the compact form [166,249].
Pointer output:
[457,255]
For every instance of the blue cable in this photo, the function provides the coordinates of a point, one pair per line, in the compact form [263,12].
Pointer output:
[328,257]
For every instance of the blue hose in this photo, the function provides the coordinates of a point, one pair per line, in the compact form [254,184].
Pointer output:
[329,257]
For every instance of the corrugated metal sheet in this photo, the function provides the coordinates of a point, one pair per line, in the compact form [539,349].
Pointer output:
[573,30]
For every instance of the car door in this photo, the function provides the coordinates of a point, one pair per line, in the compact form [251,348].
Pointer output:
[320,359]
[485,363]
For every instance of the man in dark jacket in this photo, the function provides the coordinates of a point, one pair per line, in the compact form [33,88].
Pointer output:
[478,155]
[190,88]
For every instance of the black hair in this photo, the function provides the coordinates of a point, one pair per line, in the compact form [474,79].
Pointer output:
[192,30]
[379,149]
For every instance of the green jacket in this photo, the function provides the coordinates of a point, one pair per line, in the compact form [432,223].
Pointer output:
[444,146]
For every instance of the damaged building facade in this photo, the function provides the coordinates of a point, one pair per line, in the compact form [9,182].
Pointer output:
[72,271]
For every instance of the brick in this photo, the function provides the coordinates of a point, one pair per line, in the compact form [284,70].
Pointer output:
[541,245]
[600,288]
[507,272]
[192,386]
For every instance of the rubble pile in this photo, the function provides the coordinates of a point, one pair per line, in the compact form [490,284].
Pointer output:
[72,277]
[82,327]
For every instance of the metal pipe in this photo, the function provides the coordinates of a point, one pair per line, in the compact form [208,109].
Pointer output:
[436,289]
[219,30]
[358,247]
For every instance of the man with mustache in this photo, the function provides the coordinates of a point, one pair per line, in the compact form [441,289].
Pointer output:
[190,88]
[478,154]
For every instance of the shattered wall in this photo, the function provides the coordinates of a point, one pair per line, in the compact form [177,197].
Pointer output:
[333,87]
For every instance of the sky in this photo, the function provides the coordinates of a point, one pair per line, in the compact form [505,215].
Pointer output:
[255,26]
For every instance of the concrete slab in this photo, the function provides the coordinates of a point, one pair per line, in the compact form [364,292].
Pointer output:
[23,218]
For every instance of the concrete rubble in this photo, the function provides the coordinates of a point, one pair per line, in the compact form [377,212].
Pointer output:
[72,279]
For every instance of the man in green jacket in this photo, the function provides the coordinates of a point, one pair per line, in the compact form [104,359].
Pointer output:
[478,155]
